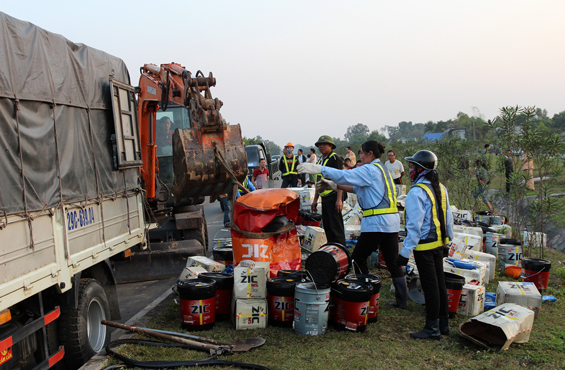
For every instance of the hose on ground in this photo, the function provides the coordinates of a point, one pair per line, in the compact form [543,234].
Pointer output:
[211,361]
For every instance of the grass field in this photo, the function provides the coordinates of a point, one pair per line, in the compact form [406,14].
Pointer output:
[385,344]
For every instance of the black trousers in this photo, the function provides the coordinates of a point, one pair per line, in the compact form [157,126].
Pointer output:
[371,242]
[430,268]
[508,174]
[332,221]
[290,181]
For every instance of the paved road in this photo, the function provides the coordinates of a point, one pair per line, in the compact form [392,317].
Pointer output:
[134,297]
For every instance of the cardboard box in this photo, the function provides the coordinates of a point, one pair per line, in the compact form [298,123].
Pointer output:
[468,230]
[489,259]
[469,275]
[314,238]
[482,267]
[400,190]
[251,281]
[352,232]
[209,264]
[306,198]
[500,327]
[249,314]
[522,293]
[191,272]
[457,248]
[472,301]
[222,242]
[353,217]
[476,242]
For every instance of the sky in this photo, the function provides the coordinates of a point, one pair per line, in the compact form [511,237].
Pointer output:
[295,70]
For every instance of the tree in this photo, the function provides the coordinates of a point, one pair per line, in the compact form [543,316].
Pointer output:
[356,133]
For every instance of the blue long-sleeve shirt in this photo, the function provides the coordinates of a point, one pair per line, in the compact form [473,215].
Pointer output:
[418,213]
[248,184]
[368,184]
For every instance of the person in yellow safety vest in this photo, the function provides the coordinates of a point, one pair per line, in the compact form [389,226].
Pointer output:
[248,185]
[287,166]
[376,195]
[429,228]
[332,201]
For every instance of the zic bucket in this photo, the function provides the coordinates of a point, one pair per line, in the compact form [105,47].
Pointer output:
[197,303]
[509,254]
[329,263]
[491,243]
[223,255]
[301,275]
[280,296]
[535,270]
[224,290]
[351,299]
[311,303]
[374,303]
[454,285]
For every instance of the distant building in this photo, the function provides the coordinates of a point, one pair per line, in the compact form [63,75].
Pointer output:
[450,132]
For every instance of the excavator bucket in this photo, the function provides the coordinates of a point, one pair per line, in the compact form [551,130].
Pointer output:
[202,161]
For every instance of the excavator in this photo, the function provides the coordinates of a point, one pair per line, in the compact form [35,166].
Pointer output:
[189,153]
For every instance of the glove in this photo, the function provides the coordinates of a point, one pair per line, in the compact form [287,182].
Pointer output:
[401,260]
[310,168]
[326,185]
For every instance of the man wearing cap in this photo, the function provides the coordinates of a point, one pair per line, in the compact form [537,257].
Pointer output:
[332,203]
[287,166]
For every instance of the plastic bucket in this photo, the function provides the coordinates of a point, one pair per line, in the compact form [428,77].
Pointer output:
[197,303]
[535,270]
[224,290]
[374,303]
[329,263]
[223,255]
[509,255]
[311,304]
[454,284]
[280,297]
[300,275]
[351,301]
[491,243]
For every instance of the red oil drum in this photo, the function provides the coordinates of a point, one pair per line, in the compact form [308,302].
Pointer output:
[374,303]
[224,290]
[223,255]
[280,297]
[197,303]
[329,263]
[301,275]
[351,299]
[535,270]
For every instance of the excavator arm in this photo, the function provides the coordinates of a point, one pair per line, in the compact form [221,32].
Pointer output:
[206,156]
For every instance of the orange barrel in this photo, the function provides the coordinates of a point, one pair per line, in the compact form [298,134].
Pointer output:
[374,303]
[351,300]
[329,263]
[224,290]
[197,303]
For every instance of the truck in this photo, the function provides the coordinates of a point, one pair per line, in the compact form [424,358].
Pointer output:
[255,153]
[84,180]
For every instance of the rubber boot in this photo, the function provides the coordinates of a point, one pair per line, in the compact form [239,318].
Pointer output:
[430,331]
[400,293]
[444,325]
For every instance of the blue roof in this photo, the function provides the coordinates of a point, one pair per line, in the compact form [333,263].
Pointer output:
[433,136]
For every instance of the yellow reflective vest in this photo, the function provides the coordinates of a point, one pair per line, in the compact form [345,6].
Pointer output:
[435,239]
[388,204]
[292,170]
[320,177]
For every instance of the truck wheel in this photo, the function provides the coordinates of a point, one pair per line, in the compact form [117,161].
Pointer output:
[80,330]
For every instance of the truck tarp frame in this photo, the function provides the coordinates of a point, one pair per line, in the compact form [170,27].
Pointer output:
[56,120]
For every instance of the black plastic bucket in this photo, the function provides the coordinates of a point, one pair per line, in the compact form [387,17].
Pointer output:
[224,290]
[374,303]
[454,284]
[301,275]
[197,303]
[535,270]
[329,263]
[223,255]
[280,297]
[351,299]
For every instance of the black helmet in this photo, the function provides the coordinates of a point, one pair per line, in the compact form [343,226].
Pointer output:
[425,159]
